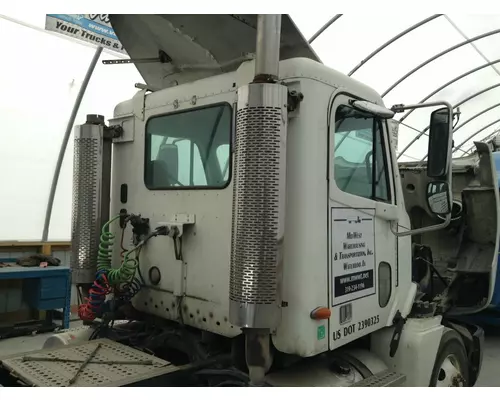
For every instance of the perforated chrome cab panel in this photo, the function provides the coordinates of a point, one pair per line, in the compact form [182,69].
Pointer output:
[87,178]
[258,205]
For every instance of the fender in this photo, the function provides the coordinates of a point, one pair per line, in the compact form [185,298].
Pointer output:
[473,338]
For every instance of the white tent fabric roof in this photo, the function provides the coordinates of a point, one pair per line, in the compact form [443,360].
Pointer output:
[40,87]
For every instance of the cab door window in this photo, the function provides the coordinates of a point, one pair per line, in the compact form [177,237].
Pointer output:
[360,163]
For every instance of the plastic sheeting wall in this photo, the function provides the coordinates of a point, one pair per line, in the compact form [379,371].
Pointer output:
[354,36]
[41,74]
[39,85]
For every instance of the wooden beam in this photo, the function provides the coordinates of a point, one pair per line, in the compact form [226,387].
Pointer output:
[46,249]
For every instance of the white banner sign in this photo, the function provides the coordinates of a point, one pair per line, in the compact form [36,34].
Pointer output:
[91,28]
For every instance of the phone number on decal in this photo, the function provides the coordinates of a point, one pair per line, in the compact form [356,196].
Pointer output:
[355,287]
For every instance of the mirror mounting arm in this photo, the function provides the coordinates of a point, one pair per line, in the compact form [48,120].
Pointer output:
[419,231]
[394,227]
[399,108]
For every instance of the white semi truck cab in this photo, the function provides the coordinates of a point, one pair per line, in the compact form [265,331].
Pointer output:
[258,212]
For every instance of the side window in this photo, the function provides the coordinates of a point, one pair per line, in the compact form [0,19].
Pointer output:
[189,149]
[360,166]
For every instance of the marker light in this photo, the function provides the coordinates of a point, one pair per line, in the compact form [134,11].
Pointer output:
[321,313]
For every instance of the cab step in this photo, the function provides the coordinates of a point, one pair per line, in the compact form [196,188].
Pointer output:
[382,379]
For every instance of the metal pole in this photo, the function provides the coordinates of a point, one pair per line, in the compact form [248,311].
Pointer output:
[488,64]
[474,135]
[462,33]
[267,54]
[324,28]
[472,96]
[444,52]
[475,116]
[64,144]
[391,41]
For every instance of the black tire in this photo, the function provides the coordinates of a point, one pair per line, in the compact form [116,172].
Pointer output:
[451,345]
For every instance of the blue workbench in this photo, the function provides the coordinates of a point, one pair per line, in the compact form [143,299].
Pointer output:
[44,288]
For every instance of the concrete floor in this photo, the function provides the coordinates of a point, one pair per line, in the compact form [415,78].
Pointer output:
[489,376]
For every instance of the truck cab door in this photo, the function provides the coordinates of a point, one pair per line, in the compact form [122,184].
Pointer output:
[363,250]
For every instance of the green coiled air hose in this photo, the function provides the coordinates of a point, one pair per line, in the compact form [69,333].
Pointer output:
[105,246]
[127,270]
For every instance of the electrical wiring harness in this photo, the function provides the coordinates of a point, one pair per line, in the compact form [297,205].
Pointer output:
[121,281]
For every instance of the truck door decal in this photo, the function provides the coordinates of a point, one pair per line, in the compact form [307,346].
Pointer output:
[353,258]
